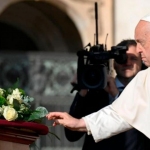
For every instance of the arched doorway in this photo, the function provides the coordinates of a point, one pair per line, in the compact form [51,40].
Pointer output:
[56,36]
[49,27]
[14,39]
[39,45]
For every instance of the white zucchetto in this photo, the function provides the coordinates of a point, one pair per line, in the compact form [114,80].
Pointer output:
[146,18]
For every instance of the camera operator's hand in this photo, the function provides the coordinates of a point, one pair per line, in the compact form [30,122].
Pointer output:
[83,92]
[74,81]
[111,86]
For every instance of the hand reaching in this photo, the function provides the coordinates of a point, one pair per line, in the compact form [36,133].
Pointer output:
[64,119]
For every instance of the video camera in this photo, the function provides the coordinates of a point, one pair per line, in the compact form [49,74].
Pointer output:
[92,65]
[93,62]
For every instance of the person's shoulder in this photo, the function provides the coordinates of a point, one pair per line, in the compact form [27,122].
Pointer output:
[145,71]
[142,76]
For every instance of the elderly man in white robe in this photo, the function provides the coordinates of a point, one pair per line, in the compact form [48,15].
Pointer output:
[130,110]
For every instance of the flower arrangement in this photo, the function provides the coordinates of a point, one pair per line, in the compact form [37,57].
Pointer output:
[15,105]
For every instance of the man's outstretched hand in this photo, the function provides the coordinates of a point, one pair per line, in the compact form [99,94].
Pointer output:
[64,119]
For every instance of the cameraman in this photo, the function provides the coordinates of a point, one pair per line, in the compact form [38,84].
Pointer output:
[82,106]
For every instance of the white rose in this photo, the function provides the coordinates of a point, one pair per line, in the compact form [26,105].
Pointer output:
[16,92]
[14,96]
[10,98]
[1,92]
[10,114]
[18,97]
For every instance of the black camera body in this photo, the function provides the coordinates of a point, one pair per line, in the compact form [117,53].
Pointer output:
[93,65]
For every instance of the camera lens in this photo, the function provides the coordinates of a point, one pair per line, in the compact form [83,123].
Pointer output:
[93,76]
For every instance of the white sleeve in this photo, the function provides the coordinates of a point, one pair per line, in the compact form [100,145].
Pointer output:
[105,123]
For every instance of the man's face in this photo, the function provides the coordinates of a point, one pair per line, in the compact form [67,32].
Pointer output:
[142,37]
[132,66]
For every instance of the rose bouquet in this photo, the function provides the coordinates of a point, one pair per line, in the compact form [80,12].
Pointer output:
[16,112]
[15,105]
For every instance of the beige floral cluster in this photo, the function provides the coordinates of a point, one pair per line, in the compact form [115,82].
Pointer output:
[16,105]
[9,112]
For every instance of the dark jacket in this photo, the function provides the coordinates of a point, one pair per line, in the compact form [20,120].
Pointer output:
[92,102]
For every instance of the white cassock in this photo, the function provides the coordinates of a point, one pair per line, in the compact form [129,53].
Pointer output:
[131,109]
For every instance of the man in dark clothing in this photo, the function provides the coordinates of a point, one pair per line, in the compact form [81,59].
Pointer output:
[89,101]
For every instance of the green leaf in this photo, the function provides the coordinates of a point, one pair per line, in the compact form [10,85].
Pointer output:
[16,104]
[28,112]
[34,116]
[20,117]
[22,92]
[28,99]
[2,100]
[40,112]
[43,111]
[16,85]
[9,91]
[25,118]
